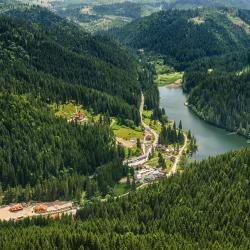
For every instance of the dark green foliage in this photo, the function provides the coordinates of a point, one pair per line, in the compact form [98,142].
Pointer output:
[161,161]
[175,35]
[207,207]
[35,144]
[229,106]
[59,55]
[170,135]
[221,96]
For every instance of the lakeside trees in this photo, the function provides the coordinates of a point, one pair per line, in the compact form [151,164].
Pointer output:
[171,135]
[219,91]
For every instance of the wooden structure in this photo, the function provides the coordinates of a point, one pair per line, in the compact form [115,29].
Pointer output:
[16,208]
[40,209]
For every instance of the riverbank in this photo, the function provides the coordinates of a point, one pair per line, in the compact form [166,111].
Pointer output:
[175,85]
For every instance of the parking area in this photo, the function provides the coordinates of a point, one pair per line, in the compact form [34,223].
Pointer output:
[22,210]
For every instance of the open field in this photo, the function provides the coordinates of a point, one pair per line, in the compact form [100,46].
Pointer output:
[156,125]
[104,23]
[66,111]
[169,78]
[127,133]
[165,74]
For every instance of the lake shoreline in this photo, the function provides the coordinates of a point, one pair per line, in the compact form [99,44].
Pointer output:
[231,132]
[212,140]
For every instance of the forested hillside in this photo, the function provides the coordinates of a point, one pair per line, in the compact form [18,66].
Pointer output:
[46,158]
[207,207]
[47,61]
[185,36]
[219,91]
[58,61]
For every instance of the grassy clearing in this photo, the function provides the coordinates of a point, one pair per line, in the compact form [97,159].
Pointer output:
[165,74]
[104,23]
[156,125]
[197,20]
[244,70]
[66,111]
[166,79]
[127,133]
[239,22]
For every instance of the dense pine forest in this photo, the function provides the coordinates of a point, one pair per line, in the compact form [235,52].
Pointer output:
[207,207]
[185,36]
[47,61]
[227,80]
[67,63]
[46,158]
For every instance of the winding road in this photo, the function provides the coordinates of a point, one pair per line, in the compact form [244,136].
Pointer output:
[140,160]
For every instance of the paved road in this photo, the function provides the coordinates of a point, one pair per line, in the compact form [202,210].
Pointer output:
[147,128]
[140,160]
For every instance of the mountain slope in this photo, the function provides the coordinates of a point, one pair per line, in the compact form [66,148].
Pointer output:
[185,36]
[219,91]
[47,61]
[212,46]
[207,207]
[89,69]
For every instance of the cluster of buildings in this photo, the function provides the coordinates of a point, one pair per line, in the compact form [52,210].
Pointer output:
[148,174]
[78,117]
[22,210]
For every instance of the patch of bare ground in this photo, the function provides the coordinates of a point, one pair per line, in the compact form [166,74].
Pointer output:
[125,143]
[175,85]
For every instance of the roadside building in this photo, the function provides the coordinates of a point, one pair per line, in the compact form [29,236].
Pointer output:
[16,208]
[40,209]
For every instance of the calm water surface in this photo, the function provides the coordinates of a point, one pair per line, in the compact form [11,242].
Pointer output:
[211,140]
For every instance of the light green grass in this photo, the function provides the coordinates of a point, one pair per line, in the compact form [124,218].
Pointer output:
[165,74]
[169,78]
[126,133]
[66,111]
[156,125]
